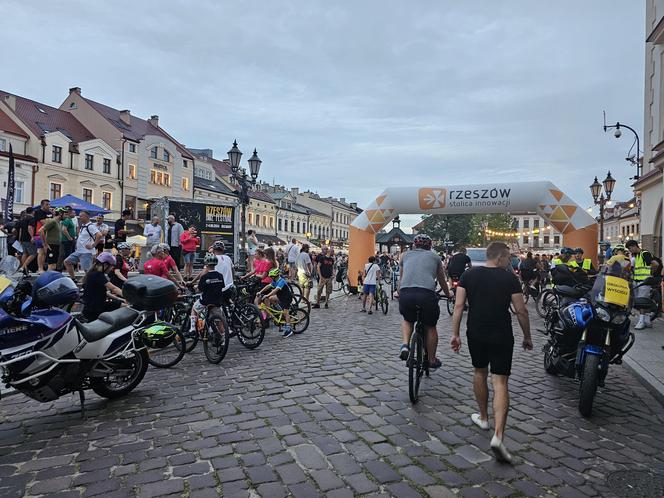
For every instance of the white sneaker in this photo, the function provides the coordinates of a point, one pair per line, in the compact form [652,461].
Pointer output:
[640,326]
[482,424]
[648,324]
[499,450]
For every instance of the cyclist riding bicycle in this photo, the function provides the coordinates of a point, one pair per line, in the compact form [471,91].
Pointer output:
[211,286]
[528,269]
[458,264]
[279,294]
[419,271]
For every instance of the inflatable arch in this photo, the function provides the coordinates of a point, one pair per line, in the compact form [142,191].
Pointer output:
[578,227]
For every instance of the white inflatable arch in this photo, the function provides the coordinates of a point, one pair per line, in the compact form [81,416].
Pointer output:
[578,227]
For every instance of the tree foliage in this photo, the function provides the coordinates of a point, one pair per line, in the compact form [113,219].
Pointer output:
[463,229]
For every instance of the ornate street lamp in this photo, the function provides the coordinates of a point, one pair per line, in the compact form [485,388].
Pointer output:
[634,159]
[245,184]
[600,200]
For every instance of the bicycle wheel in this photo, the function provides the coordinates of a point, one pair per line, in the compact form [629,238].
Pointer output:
[296,291]
[547,300]
[450,304]
[384,303]
[299,320]
[526,292]
[415,364]
[215,345]
[250,330]
[169,355]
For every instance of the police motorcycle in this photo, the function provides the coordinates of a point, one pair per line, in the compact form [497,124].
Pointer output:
[45,352]
[590,333]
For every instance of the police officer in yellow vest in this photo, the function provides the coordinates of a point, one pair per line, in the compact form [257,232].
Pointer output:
[580,262]
[565,257]
[641,266]
[564,277]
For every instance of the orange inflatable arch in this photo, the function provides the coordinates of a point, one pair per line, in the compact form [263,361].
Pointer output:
[578,227]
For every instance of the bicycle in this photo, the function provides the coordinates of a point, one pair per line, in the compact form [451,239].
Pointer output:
[168,351]
[418,363]
[380,297]
[344,283]
[212,329]
[299,318]
[245,322]
[547,300]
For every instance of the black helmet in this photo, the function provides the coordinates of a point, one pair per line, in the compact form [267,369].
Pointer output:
[567,250]
[219,245]
[578,250]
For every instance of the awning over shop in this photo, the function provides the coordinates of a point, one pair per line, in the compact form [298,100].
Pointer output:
[269,240]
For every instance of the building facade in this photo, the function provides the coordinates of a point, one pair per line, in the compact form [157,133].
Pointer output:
[622,222]
[535,233]
[70,159]
[25,167]
[649,187]
[152,164]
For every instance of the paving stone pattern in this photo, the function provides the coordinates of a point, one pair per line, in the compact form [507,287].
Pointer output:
[327,414]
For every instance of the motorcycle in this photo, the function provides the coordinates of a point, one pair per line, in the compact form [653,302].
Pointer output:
[590,333]
[46,353]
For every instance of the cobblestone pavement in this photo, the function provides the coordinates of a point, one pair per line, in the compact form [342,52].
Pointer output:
[327,413]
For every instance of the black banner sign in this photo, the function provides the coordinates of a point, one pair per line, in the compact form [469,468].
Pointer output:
[210,219]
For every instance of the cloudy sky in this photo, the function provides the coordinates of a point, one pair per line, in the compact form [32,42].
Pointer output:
[348,97]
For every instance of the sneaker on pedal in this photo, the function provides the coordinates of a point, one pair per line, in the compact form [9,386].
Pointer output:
[403,354]
[288,331]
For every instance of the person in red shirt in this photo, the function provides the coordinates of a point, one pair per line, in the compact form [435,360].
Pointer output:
[156,265]
[170,263]
[189,242]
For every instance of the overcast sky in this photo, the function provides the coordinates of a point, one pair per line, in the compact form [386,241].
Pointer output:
[348,97]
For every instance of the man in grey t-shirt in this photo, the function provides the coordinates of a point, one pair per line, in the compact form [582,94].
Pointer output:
[420,269]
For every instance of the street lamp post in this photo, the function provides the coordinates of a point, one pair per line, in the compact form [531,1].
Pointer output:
[600,199]
[635,160]
[245,184]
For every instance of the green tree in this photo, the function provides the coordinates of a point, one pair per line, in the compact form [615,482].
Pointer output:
[497,222]
[463,229]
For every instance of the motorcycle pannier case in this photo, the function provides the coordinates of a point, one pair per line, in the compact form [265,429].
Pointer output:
[149,292]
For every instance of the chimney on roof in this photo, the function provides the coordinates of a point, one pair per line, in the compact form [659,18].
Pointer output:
[76,89]
[10,100]
[295,191]
[154,121]
[125,117]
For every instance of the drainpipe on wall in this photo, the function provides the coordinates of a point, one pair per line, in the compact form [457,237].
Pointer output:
[121,176]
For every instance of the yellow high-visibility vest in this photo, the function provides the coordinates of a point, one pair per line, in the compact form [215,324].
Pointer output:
[587,264]
[641,269]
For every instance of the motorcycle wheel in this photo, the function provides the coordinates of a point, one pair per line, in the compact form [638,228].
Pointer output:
[549,365]
[588,387]
[107,388]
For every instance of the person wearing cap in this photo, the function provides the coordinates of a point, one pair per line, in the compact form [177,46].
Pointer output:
[50,234]
[584,264]
[98,288]
[641,266]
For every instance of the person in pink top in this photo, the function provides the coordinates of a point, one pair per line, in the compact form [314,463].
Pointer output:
[189,242]
[170,263]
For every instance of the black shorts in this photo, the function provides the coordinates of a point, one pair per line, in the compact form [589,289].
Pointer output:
[52,254]
[498,356]
[412,297]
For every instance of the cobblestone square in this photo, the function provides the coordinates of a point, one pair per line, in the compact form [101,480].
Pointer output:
[327,414]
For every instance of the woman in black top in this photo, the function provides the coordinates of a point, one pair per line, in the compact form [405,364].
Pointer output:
[97,288]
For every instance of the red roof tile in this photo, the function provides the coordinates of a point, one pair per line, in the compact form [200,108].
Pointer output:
[8,125]
[138,128]
[43,119]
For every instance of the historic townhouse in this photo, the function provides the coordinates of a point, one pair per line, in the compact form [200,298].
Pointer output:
[340,213]
[25,166]
[152,163]
[70,158]
[206,183]
[292,219]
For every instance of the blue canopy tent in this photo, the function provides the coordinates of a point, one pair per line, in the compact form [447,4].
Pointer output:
[78,205]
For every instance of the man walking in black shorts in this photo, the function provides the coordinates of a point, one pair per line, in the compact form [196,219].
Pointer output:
[489,291]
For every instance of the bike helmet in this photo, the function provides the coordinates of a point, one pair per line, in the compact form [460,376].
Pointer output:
[106,257]
[59,210]
[165,247]
[52,288]
[567,251]
[274,273]
[576,316]
[158,335]
[422,241]
[210,260]
[578,250]
[618,248]
[219,245]
[156,249]
[123,245]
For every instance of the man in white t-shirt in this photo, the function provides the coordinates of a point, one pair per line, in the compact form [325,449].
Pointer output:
[371,278]
[88,237]
[292,251]
[304,270]
[225,267]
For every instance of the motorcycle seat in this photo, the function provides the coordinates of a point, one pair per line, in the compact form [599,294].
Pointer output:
[107,323]
[569,291]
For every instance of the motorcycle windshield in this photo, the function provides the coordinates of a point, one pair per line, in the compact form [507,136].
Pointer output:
[611,289]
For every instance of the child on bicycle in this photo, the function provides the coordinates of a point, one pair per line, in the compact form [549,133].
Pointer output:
[279,294]
[211,286]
